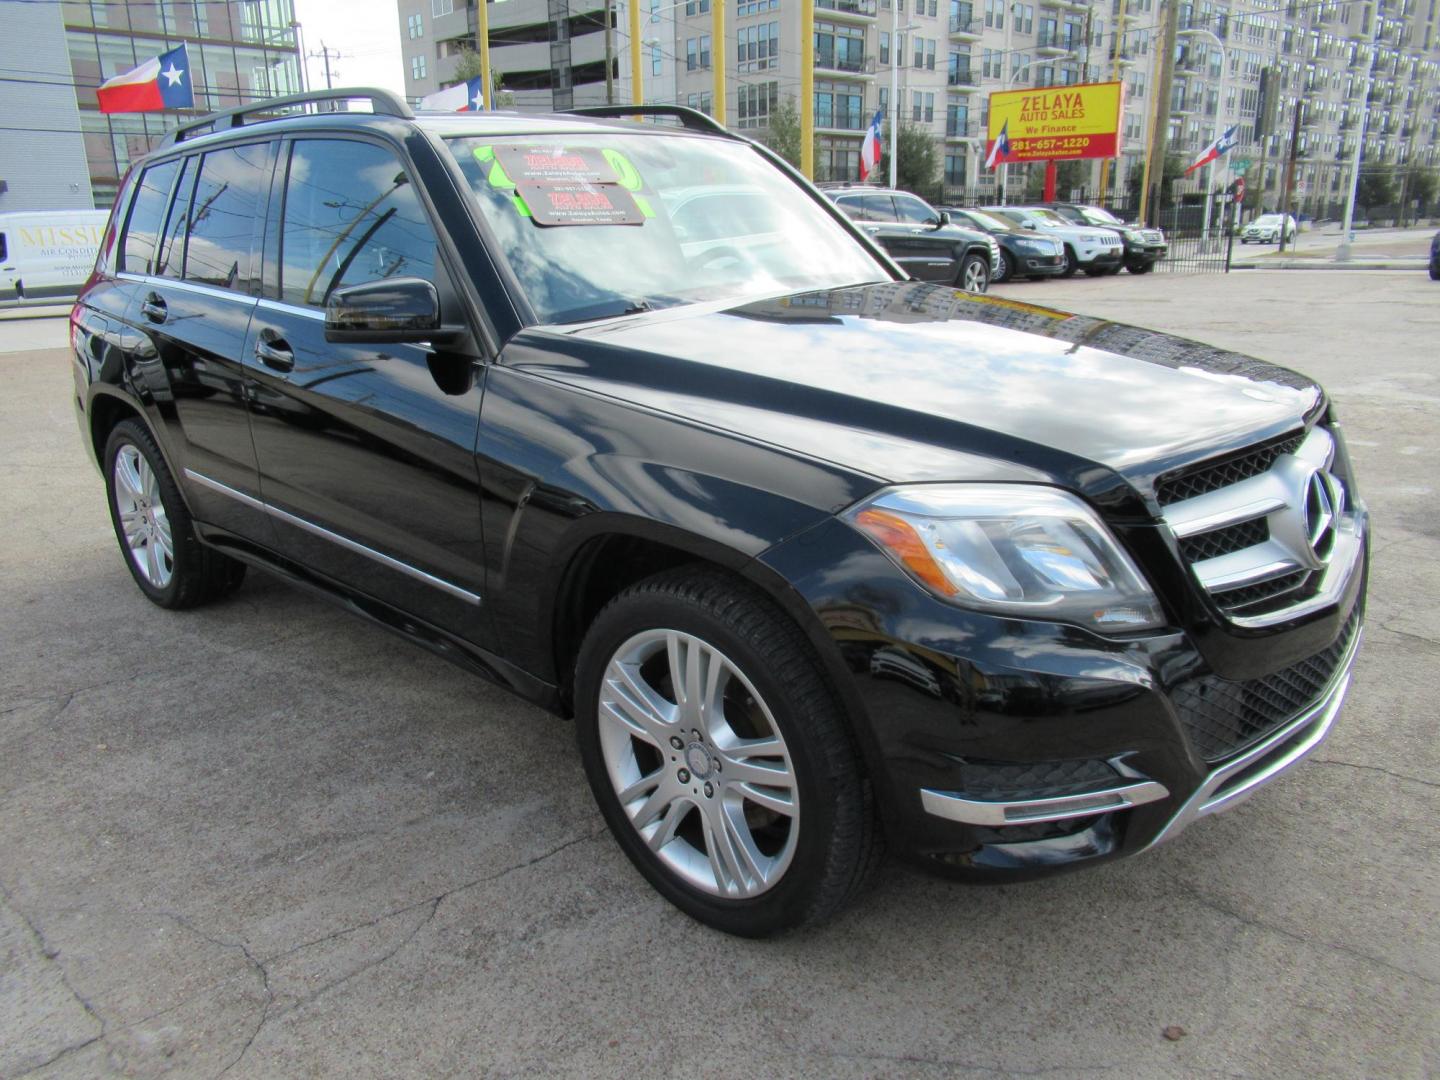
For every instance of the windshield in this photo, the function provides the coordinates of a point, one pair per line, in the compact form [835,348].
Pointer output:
[1267,219]
[604,224]
[986,221]
[1047,215]
[1096,216]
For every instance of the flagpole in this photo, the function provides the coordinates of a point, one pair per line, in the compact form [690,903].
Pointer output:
[894,117]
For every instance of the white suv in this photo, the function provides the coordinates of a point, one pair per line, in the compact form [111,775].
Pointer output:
[1094,250]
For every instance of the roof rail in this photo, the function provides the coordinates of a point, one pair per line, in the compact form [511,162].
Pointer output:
[692,119]
[382,103]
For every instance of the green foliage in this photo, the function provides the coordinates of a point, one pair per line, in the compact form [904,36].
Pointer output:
[467,67]
[1068,176]
[1174,170]
[918,165]
[1421,186]
[1376,187]
[783,133]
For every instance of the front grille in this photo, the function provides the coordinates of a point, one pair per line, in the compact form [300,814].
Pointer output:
[1181,484]
[1266,596]
[1019,781]
[1223,541]
[1224,717]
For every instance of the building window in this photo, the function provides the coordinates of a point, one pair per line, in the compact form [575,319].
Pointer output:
[655,59]
[441,7]
[885,48]
[955,168]
[839,105]
[995,14]
[697,7]
[414,25]
[418,69]
[756,102]
[922,107]
[842,48]
[957,119]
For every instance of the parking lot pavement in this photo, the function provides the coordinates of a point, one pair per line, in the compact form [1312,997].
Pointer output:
[264,837]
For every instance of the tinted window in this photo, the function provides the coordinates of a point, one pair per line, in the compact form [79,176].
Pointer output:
[224,213]
[351,215]
[879,208]
[852,208]
[172,248]
[145,214]
[913,210]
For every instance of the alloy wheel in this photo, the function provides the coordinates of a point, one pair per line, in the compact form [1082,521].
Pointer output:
[143,518]
[698,763]
[975,279]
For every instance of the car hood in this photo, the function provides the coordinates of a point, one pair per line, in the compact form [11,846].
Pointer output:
[905,381]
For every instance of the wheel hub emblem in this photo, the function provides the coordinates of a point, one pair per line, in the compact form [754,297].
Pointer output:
[699,760]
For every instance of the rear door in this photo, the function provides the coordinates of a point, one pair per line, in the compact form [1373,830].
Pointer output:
[928,252]
[366,452]
[196,281]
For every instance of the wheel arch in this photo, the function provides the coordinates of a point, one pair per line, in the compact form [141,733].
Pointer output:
[107,409]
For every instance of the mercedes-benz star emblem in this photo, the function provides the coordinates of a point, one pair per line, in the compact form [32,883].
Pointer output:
[1322,499]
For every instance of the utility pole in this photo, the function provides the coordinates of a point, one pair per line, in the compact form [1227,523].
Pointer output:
[1287,198]
[1153,188]
[807,86]
[326,53]
[482,31]
[717,57]
[1343,251]
[894,89]
[610,51]
[637,73]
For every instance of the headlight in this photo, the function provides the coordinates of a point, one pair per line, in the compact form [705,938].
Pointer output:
[1012,549]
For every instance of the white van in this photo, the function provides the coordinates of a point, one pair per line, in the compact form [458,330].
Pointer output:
[48,252]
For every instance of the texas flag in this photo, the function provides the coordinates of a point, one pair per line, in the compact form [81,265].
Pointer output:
[1001,148]
[870,148]
[162,82]
[467,96]
[1215,149]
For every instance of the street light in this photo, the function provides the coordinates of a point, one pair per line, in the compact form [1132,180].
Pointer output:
[895,29]
[1343,251]
[1219,119]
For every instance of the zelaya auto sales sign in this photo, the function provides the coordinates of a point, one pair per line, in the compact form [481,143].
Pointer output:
[1058,122]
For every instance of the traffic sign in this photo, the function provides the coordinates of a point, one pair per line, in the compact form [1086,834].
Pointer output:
[1243,165]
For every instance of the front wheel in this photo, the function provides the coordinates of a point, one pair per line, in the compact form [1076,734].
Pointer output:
[974,274]
[1007,268]
[719,757]
[1142,268]
[1435,271]
[1071,262]
[164,556]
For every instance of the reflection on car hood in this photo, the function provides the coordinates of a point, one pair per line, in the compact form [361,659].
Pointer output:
[909,381]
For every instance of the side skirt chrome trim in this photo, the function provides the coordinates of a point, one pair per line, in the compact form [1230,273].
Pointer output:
[952,805]
[334,538]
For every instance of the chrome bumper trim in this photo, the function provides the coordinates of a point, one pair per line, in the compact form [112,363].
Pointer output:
[1236,780]
[955,807]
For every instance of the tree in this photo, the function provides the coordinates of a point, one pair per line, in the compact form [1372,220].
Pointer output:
[1068,176]
[467,67]
[1173,170]
[918,165]
[1421,185]
[1376,187]
[783,132]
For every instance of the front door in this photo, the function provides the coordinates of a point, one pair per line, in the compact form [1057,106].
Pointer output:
[366,452]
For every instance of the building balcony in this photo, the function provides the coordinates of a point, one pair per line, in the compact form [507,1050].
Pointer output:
[1049,43]
[967,132]
[845,65]
[966,29]
[965,79]
[1066,5]
[857,9]
[840,122]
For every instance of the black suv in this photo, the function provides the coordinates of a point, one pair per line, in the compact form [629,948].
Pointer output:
[820,560]
[924,241]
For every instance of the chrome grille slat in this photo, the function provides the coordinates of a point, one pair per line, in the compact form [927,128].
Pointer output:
[1243,525]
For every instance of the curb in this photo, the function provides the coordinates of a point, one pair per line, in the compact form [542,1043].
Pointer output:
[1326,264]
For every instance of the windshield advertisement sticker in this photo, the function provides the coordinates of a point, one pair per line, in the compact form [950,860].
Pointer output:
[580,204]
[555,163]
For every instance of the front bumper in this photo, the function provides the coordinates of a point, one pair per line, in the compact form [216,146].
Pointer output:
[1004,749]
[1101,257]
[1031,264]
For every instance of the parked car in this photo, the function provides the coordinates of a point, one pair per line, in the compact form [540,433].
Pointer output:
[1435,257]
[1096,251]
[920,238]
[818,559]
[1144,247]
[47,253]
[1024,253]
[1265,229]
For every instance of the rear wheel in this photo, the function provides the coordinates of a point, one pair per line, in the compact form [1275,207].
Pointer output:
[1007,268]
[154,529]
[1071,262]
[718,756]
[1435,269]
[974,274]
[1142,268]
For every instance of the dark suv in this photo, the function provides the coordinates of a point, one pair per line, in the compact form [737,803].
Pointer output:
[820,560]
[924,241]
[1144,247]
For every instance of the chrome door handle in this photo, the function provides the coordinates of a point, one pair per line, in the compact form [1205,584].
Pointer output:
[153,308]
[274,353]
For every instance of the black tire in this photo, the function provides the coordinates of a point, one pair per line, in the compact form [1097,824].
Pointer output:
[837,843]
[1142,268]
[974,274]
[198,574]
[1071,262]
[1435,270]
[1007,268]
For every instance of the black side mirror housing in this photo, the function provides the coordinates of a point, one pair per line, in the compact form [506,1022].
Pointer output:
[944,219]
[391,311]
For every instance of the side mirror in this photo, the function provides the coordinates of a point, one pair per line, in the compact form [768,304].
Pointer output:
[393,310]
[944,219]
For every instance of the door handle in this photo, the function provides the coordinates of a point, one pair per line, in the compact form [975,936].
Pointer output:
[274,351]
[153,308]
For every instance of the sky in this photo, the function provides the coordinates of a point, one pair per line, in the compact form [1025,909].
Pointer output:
[366,33]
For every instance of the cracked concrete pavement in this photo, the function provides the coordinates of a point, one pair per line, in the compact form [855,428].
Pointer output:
[265,839]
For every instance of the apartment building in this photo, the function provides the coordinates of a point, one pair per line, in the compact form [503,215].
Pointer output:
[947,56]
[241,50]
